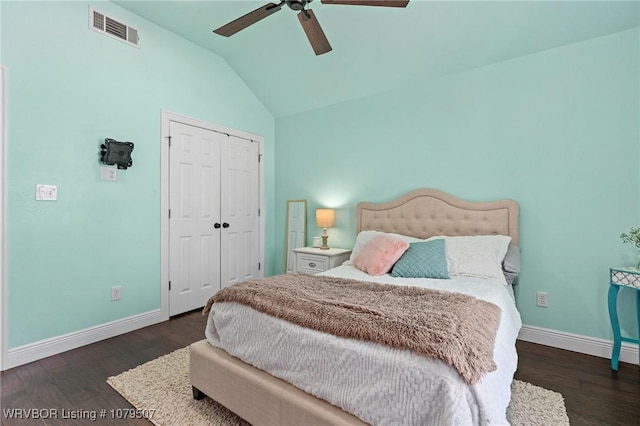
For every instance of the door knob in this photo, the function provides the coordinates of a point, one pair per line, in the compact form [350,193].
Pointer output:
[225,225]
[216,225]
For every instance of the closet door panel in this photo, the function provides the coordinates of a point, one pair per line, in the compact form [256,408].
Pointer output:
[194,200]
[240,195]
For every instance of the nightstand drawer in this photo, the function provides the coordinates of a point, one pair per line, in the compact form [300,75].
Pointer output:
[311,264]
[311,260]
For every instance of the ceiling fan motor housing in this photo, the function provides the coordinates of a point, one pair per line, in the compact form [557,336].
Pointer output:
[297,4]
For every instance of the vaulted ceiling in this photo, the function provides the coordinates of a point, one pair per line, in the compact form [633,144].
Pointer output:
[378,48]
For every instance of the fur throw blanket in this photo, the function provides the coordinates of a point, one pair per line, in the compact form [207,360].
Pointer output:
[456,328]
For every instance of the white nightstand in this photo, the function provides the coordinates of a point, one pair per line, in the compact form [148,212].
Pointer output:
[311,260]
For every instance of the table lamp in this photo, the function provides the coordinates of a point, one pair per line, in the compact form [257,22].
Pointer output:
[325,219]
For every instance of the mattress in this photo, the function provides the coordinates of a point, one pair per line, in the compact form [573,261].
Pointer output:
[376,383]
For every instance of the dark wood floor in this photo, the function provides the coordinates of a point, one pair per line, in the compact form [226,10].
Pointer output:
[76,380]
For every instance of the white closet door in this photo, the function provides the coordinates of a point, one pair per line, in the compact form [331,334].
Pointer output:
[239,183]
[194,200]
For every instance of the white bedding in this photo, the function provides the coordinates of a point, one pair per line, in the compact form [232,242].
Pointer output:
[378,384]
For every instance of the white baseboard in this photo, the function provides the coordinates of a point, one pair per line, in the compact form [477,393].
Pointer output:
[574,342]
[55,345]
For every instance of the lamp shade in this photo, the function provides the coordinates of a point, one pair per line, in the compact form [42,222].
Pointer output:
[325,218]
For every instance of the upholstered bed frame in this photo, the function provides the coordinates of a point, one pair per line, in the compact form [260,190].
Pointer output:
[262,399]
[424,213]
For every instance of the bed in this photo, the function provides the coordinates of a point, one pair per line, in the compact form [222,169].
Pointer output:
[300,370]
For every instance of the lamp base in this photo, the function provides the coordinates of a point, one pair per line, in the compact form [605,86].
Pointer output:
[324,243]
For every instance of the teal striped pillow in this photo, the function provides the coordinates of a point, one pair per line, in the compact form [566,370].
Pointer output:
[423,260]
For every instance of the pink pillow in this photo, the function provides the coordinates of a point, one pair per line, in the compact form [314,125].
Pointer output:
[380,254]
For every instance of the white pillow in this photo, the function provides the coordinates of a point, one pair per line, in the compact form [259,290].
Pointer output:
[476,256]
[364,237]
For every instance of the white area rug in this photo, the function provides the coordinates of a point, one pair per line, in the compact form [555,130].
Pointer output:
[161,389]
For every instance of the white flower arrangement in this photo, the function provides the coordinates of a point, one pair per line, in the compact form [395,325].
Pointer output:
[632,236]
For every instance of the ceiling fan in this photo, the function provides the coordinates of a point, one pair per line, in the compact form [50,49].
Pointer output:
[307,19]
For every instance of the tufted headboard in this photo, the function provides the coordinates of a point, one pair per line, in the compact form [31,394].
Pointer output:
[424,213]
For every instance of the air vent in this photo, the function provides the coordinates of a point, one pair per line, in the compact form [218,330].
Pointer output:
[113,28]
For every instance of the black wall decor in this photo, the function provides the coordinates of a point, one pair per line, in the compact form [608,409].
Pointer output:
[114,152]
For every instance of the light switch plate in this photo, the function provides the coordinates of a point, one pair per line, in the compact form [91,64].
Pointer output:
[46,192]
[108,173]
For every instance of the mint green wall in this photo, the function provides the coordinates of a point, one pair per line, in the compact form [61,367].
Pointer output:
[68,89]
[558,131]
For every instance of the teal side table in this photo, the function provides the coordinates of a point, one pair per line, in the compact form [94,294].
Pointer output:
[621,277]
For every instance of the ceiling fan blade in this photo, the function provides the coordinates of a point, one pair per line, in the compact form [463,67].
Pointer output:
[250,18]
[384,3]
[314,32]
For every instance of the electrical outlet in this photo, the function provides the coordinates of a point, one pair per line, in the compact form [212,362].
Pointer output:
[116,293]
[542,299]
